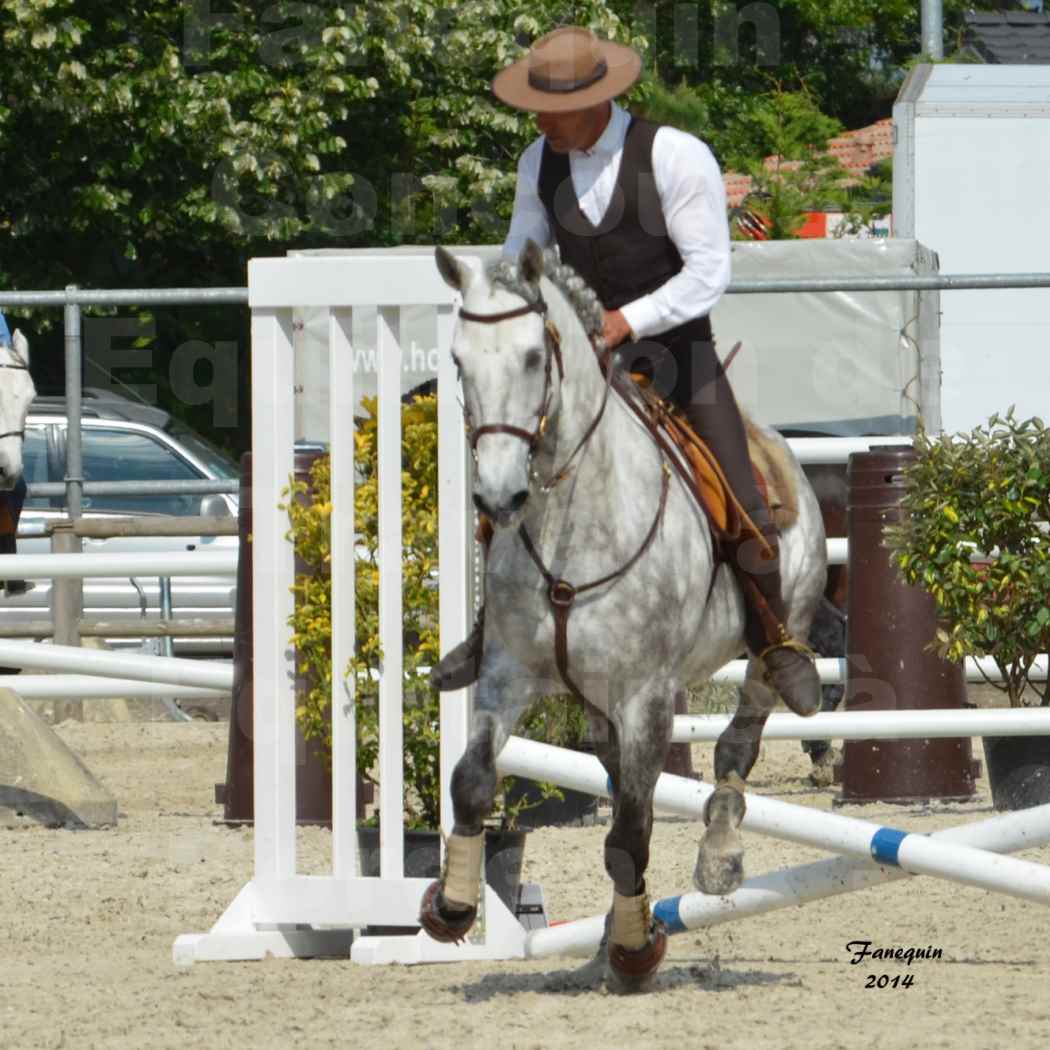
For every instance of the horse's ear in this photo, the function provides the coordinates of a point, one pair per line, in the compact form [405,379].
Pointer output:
[531,262]
[20,345]
[456,274]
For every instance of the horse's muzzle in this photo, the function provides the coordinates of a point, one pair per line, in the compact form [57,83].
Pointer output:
[505,514]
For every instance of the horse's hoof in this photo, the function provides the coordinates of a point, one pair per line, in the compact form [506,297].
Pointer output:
[720,860]
[718,873]
[630,971]
[823,772]
[448,927]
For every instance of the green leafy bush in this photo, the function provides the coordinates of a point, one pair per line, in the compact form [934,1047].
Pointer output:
[983,493]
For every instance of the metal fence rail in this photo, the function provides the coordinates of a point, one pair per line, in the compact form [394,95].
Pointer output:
[72,298]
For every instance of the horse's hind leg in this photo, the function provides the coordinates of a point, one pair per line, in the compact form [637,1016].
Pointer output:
[720,859]
[449,905]
[634,760]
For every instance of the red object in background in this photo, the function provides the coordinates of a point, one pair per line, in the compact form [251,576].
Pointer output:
[816,225]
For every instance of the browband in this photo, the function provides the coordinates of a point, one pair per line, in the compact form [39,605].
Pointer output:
[538,307]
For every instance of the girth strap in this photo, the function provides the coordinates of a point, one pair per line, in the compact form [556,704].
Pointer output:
[562,595]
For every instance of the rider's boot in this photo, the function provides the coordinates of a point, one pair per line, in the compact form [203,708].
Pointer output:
[461,666]
[788,664]
[755,557]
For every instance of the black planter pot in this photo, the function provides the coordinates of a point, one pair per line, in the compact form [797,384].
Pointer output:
[577,808]
[1018,770]
[504,856]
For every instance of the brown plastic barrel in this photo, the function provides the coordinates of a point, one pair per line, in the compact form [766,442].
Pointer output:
[889,666]
[313,786]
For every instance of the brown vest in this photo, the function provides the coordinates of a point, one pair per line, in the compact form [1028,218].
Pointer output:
[628,254]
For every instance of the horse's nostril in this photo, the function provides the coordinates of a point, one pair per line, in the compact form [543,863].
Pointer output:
[481,505]
[517,501]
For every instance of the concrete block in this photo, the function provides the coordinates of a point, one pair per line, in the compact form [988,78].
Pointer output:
[41,780]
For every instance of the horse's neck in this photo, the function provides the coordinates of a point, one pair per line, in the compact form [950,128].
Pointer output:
[600,470]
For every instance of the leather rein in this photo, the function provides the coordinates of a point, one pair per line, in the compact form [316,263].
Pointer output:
[560,593]
[21,434]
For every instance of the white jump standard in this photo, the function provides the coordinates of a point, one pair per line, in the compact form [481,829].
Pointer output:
[283,913]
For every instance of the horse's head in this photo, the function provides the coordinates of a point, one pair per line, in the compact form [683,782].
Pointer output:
[509,365]
[16,394]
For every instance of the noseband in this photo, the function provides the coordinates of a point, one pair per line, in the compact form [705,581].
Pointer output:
[21,434]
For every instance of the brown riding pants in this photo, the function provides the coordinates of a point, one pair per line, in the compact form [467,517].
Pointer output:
[684,369]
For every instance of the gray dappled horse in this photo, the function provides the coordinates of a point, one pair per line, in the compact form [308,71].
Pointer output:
[599,552]
[16,394]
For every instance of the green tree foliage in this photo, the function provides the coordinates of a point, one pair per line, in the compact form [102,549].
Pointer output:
[851,54]
[779,138]
[983,493]
[166,143]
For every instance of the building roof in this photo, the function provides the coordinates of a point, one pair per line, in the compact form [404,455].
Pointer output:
[856,150]
[1009,37]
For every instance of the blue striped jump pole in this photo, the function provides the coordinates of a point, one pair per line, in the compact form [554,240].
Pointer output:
[862,840]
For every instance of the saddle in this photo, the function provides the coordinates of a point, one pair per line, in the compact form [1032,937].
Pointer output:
[699,469]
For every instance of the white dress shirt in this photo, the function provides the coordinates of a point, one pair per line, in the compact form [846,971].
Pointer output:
[692,195]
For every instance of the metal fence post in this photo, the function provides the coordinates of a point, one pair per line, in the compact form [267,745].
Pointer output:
[67,606]
[74,461]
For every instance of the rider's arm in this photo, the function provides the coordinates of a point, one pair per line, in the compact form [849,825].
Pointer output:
[529,218]
[693,199]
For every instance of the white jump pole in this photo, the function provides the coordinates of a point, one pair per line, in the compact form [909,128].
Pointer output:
[878,725]
[135,563]
[791,887]
[209,674]
[89,687]
[839,450]
[832,670]
[916,854]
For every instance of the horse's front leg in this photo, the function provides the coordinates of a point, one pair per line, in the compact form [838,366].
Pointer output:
[720,859]
[640,734]
[450,904]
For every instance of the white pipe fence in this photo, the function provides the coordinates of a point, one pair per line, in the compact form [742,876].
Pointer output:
[94,687]
[70,566]
[878,725]
[211,674]
[832,670]
[812,450]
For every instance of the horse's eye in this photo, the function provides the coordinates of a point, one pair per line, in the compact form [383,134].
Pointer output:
[455,361]
[532,360]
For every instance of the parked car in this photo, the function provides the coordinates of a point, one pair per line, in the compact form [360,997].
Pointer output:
[126,441]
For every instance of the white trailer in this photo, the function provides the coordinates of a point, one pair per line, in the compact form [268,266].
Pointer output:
[970,176]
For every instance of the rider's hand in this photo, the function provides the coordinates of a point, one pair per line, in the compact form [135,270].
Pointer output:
[615,329]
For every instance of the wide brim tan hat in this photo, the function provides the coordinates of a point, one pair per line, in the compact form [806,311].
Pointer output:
[567,70]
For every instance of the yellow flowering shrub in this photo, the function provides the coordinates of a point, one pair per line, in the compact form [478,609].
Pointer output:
[309,510]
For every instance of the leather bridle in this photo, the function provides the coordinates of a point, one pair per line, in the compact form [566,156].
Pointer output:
[560,593]
[532,439]
[21,434]
[553,340]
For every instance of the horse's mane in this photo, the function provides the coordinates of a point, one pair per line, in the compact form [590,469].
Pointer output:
[582,298]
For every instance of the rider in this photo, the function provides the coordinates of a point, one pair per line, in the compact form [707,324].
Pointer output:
[639,211]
